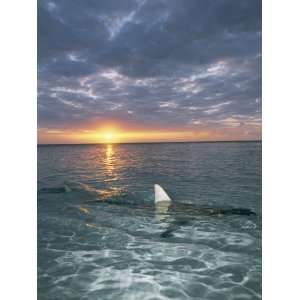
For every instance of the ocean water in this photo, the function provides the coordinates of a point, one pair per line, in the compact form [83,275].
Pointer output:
[100,235]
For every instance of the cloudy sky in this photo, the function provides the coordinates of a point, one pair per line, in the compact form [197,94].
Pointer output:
[149,70]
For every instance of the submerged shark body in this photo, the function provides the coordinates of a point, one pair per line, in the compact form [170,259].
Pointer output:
[170,214]
[162,202]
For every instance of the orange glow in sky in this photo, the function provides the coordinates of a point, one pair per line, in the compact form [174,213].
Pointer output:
[116,134]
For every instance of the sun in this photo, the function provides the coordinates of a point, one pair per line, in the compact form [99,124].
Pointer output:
[109,136]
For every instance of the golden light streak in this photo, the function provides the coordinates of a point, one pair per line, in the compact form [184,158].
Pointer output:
[111,134]
[109,162]
[110,137]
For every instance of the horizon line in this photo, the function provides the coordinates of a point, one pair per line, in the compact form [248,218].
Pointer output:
[158,142]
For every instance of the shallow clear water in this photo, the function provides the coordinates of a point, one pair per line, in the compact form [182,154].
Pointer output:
[101,237]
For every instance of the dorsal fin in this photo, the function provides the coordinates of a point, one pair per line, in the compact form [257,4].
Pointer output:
[160,194]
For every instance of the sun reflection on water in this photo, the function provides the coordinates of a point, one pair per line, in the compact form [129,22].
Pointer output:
[109,160]
[112,165]
[109,152]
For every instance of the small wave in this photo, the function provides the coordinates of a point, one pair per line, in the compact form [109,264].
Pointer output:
[87,191]
[54,190]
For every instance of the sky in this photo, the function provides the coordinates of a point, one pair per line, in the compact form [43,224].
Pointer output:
[149,70]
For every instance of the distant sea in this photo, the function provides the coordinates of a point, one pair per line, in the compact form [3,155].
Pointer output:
[101,237]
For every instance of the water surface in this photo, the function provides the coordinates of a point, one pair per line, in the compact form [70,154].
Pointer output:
[100,237]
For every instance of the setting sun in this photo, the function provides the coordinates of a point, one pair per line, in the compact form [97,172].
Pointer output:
[108,136]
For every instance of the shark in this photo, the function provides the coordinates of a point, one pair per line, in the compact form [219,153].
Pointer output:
[163,204]
[170,214]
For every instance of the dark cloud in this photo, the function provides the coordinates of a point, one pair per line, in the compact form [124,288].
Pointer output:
[158,62]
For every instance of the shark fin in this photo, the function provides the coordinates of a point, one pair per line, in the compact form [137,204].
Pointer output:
[160,194]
